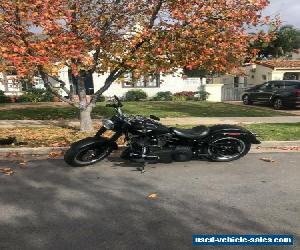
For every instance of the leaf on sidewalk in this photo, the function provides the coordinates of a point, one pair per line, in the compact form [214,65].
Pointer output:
[288,148]
[267,159]
[7,171]
[23,164]
[12,154]
[152,196]
[56,154]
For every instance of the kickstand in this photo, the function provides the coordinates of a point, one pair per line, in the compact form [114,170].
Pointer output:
[142,168]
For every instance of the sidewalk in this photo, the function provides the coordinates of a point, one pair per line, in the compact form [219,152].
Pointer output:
[45,152]
[166,121]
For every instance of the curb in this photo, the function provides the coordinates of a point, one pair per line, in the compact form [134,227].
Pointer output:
[265,147]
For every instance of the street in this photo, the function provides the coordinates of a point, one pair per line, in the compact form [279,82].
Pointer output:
[48,205]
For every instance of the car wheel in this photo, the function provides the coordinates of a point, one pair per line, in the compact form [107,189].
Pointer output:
[277,104]
[246,100]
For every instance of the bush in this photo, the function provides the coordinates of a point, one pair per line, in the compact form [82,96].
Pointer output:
[163,96]
[36,95]
[101,98]
[3,98]
[184,96]
[135,95]
[201,95]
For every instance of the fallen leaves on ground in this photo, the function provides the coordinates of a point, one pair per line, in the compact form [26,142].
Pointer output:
[152,196]
[7,171]
[267,159]
[12,154]
[48,136]
[56,154]
[288,148]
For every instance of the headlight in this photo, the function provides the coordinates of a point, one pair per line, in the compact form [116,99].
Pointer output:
[108,124]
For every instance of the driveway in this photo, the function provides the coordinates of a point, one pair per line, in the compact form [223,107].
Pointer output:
[47,205]
[295,111]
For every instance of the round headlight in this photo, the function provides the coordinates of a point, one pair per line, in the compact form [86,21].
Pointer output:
[108,124]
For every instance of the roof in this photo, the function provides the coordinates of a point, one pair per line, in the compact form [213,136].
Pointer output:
[281,64]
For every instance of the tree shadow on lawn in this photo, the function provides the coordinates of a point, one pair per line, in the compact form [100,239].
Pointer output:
[57,207]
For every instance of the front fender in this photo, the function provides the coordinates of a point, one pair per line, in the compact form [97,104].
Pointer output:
[233,130]
[94,140]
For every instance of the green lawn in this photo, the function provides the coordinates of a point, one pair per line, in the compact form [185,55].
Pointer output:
[276,132]
[161,109]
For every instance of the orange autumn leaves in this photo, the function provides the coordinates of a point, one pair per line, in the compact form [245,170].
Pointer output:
[101,35]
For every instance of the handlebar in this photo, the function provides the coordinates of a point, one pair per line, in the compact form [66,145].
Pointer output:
[118,101]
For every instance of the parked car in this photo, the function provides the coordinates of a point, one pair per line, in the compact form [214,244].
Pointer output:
[279,94]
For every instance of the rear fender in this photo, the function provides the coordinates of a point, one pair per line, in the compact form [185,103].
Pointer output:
[234,131]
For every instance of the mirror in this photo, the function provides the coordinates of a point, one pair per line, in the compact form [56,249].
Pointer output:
[153,117]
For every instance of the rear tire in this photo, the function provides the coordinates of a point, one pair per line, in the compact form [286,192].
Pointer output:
[246,100]
[82,154]
[225,149]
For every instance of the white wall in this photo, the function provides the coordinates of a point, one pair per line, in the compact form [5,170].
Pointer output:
[1,83]
[215,92]
[169,83]
[255,74]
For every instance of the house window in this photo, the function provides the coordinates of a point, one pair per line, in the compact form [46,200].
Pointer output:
[264,77]
[148,81]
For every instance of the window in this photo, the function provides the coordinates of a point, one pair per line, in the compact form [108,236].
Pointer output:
[278,85]
[148,81]
[292,85]
[264,77]
[265,86]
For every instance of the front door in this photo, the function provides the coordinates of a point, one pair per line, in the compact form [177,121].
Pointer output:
[264,92]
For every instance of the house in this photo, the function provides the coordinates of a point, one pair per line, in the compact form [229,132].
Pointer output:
[231,87]
[151,84]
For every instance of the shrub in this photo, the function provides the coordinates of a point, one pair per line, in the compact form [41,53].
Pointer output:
[184,96]
[135,95]
[202,95]
[101,98]
[36,95]
[163,96]
[3,98]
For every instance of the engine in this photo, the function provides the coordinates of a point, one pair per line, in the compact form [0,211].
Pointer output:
[157,148]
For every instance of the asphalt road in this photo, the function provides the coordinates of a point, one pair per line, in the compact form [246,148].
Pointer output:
[47,205]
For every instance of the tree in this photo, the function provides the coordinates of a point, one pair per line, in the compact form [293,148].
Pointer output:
[117,36]
[286,39]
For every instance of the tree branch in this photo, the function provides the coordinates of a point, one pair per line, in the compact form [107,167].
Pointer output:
[120,69]
[62,85]
[49,87]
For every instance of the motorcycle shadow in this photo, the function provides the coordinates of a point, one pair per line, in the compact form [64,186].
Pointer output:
[117,161]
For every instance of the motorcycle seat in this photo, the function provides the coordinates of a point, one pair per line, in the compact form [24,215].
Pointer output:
[193,133]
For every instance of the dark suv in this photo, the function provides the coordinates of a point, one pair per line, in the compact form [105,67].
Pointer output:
[279,94]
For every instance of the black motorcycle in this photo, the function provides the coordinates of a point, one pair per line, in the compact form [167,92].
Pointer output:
[150,141]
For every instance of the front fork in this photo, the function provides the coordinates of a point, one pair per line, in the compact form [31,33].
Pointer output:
[112,139]
[101,131]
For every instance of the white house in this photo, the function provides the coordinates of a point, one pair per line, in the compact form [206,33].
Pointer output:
[231,87]
[150,85]
[220,88]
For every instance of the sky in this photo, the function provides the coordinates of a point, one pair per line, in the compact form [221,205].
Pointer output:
[289,11]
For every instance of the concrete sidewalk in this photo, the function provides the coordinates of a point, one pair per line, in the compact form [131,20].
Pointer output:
[166,121]
[43,152]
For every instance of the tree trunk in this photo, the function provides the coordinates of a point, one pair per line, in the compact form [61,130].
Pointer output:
[86,123]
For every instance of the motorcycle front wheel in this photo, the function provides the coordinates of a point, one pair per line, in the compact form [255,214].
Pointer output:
[224,149]
[81,154]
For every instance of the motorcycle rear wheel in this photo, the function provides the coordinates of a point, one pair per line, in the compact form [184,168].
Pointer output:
[225,149]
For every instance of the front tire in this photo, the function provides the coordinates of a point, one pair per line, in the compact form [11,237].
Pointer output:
[84,153]
[246,100]
[225,149]
[277,104]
